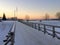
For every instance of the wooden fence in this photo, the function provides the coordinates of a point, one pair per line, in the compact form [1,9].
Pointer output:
[11,36]
[43,28]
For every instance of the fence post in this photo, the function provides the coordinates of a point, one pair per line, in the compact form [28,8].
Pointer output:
[44,29]
[12,38]
[35,26]
[32,25]
[39,27]
[53,31]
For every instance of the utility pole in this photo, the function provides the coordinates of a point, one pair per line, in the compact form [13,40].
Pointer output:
[15,13]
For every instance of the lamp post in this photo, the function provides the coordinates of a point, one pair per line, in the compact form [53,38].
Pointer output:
[15,22]
[15,12]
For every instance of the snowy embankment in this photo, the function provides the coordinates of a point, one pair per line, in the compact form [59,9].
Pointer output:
[4,29]
[49,22]
[26,35]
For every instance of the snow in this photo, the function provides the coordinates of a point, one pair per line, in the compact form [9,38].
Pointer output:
[25,35]
[49,22]
[13,28]
[4,29]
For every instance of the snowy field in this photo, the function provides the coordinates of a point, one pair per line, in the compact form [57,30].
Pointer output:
[50,22]
[26,35]
[4,29]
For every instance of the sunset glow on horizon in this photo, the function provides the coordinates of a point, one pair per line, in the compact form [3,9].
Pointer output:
[36,9]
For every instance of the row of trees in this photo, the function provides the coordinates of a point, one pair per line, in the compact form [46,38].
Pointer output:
[27,17]
[57,15]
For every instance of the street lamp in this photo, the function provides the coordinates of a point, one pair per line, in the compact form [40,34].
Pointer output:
[15,12]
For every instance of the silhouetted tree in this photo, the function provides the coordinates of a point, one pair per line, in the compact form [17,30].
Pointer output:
[27,18]
[46,16]
[4,17]
[58,15]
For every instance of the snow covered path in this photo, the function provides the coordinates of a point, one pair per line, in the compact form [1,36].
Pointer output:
[25,35]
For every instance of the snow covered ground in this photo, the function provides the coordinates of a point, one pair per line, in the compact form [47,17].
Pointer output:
[49,22]
[4,29]
[26,35]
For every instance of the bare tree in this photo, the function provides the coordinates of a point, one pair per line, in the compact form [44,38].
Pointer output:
[46,16]
[58,15]
[27,17]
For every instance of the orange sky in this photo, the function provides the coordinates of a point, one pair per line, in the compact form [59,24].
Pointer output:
[36,9]
[22,14]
